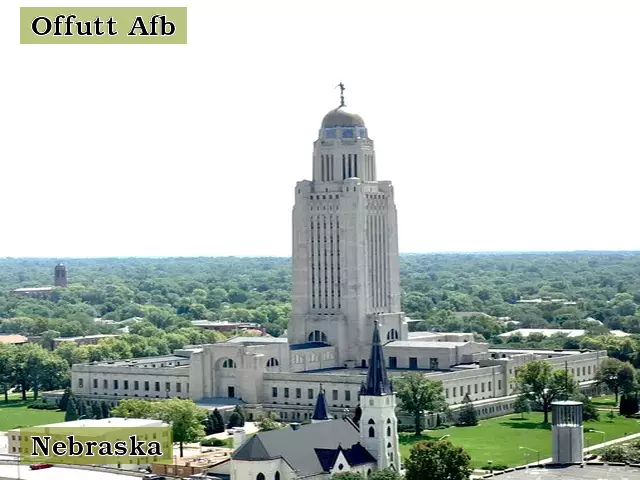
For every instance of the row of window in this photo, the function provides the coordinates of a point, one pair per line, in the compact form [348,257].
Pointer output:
[310,393]
[136,385]
[413,361]
[326,289]
[459,391]
[378,268]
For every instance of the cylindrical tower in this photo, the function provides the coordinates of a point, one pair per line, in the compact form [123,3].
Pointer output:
[567,432]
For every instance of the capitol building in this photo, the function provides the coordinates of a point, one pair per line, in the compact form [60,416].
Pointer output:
[346,282]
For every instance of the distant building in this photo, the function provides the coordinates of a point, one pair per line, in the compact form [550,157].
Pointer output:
[60,275]
[547,332]
[13,339]
[224,326]
[86,340]
[59,280]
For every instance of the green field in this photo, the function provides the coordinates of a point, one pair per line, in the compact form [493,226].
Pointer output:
[16,414]
[605,401]
[498,439]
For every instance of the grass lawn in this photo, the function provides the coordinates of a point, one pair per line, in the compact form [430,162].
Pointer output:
[604,401]
[16,414]
[498,439]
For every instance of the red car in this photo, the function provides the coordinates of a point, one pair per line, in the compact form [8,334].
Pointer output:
[40,466]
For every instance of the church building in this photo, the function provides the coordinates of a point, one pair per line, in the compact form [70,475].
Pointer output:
[327,446]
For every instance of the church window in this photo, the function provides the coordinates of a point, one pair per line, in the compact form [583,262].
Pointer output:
[105,384]
[355,164]
[347,396]
[80,382]
[482,387]
[475,388]
[310,393]
[286,392]
[489,386]
[228,363]
[276,476]
[340,466]
[272,362]
[157,386]
[413,363]
[369,473]
[392,334]
[260,476]
[95,383]
[298,393]
[499,384]
[344,166]
[388,433]
[274,392]
[334,395]
[372,432]
[371,422]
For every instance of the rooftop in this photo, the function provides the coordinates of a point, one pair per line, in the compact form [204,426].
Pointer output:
[13,339]
[257,340]
[306,346]
[105,422]
[10,470]
[32,289]
[145,361]
[547,332]
[422,344]
[575,472]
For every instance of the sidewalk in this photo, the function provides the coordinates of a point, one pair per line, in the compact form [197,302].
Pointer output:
[595,447]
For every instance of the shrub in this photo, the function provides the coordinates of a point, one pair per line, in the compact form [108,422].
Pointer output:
[213,442]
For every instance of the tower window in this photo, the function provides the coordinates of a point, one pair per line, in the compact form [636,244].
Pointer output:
[372,432]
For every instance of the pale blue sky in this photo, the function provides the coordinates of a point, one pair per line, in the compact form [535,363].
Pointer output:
[503,125]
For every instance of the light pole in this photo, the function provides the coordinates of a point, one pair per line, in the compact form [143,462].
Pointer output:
[538,452]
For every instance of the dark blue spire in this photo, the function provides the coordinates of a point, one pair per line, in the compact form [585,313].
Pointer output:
[321,412]
[377,380]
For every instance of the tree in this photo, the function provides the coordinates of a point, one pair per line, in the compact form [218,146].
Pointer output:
[467,417]
[185,418]
[96,411]
[104,408]
[72,411]
[608,374]
[611,416]
[540,383]
[218,421]
[522,405]
[7,370]
[628,405]
[384,474]
[439,460]
[418,394]
[589,410]
[64,400]
[268,421]
[135,408]
[348,476]
[236,419]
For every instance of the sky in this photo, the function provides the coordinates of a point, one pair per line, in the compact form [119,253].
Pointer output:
[503,125]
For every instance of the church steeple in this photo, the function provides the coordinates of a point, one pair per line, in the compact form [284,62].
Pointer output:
[321,412]
[377,381]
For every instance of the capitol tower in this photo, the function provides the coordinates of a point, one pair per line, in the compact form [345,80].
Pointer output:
[345,245]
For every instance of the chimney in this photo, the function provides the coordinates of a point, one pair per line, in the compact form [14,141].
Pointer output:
[295,426]
[239,437]
[567,432]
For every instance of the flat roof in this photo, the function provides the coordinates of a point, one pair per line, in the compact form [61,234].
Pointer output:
[33,289]
[575,472]
[105,422]
[306,346]
[533,350]
[54,473]
[142,361]
[421,344]
[257,340]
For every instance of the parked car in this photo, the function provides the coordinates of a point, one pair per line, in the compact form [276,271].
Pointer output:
[40,466]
